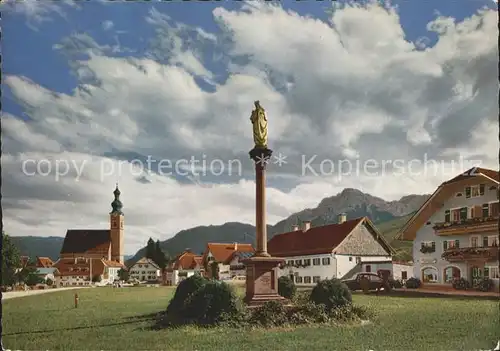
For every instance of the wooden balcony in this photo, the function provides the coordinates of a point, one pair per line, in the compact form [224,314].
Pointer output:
[489,253]
[467,226]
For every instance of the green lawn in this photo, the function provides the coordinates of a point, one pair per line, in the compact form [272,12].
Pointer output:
[116,319]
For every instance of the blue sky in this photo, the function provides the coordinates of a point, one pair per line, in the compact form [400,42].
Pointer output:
[89,84]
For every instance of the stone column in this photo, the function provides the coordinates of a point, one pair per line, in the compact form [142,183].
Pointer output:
[261,158]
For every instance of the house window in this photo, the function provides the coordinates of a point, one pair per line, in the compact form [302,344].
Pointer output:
[474,241]
[492,241]
[485,241]
[368,268]
[350,259]
[464,211]
[307,280]
[455,215]
[447,216]
[146,266]
[326,261]
[307,262]
[316,261]
[316,279]
[486,210]
[450,244]
[404,275]
[298,279]
[491,272]
[298,262]
[140,266]
[358,260]
[494,209]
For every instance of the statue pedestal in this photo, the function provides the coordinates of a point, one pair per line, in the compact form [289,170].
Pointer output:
[262,280]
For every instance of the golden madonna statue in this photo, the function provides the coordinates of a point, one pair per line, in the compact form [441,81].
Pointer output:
[259,122]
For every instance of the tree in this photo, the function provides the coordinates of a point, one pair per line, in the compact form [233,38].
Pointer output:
[214,269]
[150,249]
[11,260]
[23,274]
[160,257]
[33,279]
[123,274]
[96,278]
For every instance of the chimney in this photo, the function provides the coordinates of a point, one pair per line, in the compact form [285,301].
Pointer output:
[306,225]
[341,218]
[235,246]
[295,228]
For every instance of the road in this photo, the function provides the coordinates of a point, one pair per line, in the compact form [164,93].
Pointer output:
[14,294]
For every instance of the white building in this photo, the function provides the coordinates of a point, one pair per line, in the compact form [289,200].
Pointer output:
[47,273]
[145,270]
[82,271]
[227,257]
[183,266]
[455,232]
[332,251]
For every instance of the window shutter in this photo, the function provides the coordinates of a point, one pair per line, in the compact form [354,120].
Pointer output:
[445,245]
[457,243]
[433,245]
[467,192]
[481,189]
[463,213]
[447,215]
[494,209]
[485,210]
[477,211]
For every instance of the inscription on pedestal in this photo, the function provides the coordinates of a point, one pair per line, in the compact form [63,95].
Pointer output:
[263,283]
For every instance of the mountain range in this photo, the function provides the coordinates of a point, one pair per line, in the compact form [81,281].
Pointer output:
[389,216]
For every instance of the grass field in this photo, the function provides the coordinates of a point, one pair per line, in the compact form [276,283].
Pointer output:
[117,319]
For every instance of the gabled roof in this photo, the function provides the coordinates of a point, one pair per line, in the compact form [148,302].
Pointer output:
[319,240]
[83,240]
[187,260]
[222,252]
[146,260]
[240,255]
[440,195]
[113,264]
[44,262]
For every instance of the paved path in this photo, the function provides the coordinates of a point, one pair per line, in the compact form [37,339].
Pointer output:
[14,294]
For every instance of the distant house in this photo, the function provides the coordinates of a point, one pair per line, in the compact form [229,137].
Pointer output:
[43,262]
[47,273]
[227,257]
[455,232]
[82,271]
[145,270]
[183,266]
[333,251]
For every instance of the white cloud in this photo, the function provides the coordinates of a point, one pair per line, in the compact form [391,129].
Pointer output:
[36,11]
[107,25]
[350,88]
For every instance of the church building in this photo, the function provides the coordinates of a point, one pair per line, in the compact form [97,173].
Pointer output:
[93,254]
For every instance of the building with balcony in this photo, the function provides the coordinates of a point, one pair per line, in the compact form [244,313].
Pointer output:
[455,232]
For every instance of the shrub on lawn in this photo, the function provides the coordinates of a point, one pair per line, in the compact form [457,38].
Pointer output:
[185,289]
[270,314]
[213,303]
[395,283]
[413,283]
[460,284]
[332,293]
[286,287]
[308,313]
[485,285]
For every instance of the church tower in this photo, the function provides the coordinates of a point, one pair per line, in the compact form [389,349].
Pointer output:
[116,228]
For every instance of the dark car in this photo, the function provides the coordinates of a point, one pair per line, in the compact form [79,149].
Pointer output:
[373,281]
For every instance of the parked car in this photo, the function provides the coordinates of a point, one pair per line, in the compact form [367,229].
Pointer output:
[374,282]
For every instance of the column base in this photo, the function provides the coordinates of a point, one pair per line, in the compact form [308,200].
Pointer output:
[262,280]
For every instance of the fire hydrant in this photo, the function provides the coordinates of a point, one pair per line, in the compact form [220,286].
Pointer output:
[76,300]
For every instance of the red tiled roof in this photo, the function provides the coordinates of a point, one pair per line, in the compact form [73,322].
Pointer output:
[44,262]
[113,263]
[316,240]
[222,252]
[68,267]
[187,260]
[83,240]
[474,171]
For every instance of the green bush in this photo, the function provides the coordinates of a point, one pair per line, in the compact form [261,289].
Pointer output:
[460,284]
[485,285]
[213,303]
[395,283]
[185,289]
[270,314]
[308,313]
[413,283]
[332,293]
[286,287]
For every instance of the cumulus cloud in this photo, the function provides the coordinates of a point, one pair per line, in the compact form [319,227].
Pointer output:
[351,88]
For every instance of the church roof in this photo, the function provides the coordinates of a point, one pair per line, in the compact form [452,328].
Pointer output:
[83,240]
